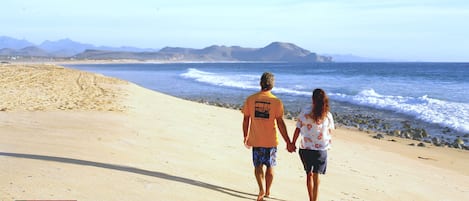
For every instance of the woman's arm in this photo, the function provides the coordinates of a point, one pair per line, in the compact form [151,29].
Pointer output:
[295,135]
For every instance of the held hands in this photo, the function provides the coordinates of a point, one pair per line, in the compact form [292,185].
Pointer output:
[291,147]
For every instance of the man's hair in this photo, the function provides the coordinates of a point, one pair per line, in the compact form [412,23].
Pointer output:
[267,81]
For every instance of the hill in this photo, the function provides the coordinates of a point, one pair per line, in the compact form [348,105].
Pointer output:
[30,51]
[12,43]
[69,49]
[274,52]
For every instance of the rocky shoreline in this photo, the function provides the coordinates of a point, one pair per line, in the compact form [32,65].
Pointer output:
[422,133]
[406,130]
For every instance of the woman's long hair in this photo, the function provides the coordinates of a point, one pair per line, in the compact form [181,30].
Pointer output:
[320,106]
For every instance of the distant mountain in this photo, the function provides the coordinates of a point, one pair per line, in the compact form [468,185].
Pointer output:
[7,51]
[126,49]
[105,55]
[276,51]
[31,51]
[8,42]
[63,47]
[67,48]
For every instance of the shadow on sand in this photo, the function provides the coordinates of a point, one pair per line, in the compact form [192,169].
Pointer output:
[160,175]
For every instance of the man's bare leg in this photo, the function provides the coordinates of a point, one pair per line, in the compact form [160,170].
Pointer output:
[269,177]
[259,173]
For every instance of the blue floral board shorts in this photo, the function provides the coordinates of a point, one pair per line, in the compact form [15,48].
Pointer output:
[264,156]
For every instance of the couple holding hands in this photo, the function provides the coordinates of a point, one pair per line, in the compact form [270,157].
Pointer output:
[263,114]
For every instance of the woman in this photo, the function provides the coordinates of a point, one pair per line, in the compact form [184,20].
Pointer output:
[315,124]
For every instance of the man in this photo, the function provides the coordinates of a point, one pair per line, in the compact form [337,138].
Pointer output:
[263,112]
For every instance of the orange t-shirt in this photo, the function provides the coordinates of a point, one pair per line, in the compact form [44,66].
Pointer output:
[263,108]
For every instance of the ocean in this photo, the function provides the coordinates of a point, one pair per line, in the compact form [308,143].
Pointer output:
[434,96]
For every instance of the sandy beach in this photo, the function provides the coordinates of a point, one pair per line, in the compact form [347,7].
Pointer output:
[72,135]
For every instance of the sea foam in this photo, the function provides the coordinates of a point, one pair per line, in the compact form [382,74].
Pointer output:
[223,80]
[450,114]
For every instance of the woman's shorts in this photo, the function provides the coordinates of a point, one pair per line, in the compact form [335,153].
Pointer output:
[264,156]
[314,160]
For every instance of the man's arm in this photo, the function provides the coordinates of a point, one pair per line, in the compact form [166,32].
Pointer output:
[283,130]
[246,121]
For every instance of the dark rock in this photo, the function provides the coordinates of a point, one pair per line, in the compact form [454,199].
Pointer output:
[424,133]
[390,133]
[406,124]
[421,144]
[417,136]
[378,136]
[405,134]
[459,141]
[289,115]
[436,141]
[386,126]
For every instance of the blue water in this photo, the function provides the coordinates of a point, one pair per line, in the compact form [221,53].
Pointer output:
[436,93]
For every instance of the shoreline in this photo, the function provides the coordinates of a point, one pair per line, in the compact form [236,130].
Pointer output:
[119,61]
[364,123]
[136,61]
[159,143]
[366,119]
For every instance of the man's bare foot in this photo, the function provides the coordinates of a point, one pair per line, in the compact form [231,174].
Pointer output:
[267,194]
[261,195]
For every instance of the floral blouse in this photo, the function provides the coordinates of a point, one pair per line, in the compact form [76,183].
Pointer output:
[314,136]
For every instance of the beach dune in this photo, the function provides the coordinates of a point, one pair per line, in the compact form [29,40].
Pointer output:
[72,135]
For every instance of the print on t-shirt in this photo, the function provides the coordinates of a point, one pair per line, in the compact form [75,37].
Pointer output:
[262,109]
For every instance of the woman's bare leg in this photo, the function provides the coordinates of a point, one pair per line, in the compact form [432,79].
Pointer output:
[309,185]
[316,186]
[312,184]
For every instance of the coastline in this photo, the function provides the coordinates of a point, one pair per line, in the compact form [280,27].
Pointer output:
[119,61]
[373,121]
[386,122]
[151,144]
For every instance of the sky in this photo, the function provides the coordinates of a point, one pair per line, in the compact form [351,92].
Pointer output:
[405,30]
